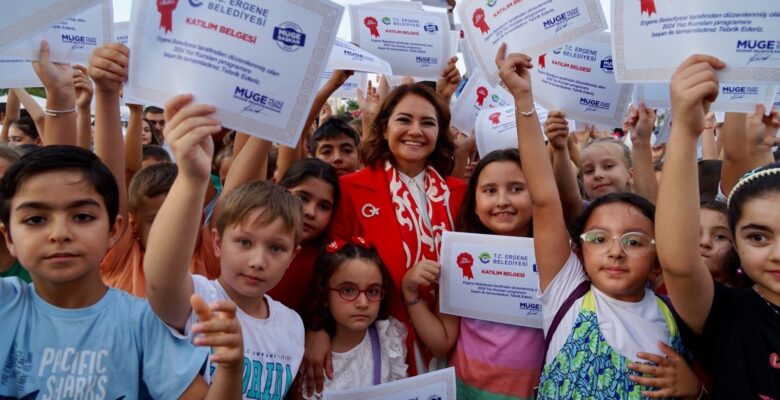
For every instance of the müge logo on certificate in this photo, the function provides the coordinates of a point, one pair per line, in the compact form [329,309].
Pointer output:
[289,36]
[561,21]
[738,92]
[256,102]
[78,41]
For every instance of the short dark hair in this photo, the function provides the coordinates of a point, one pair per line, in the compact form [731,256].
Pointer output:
[709,178]
[59,158]
[374,149]
[153,110]
[149,182]
[578,223]
[156,152]
[331,129]
[318,315]
[306,168]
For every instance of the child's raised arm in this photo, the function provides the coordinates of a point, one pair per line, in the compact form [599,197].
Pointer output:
[694,85]
[177,225]
[32,107]
[11,114]
[747,144]
[108,69]
[557,130]
[549,227]
[645,182]
[134,156]
[84,91]
[60,125]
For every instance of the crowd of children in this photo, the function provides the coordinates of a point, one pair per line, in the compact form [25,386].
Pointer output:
[180,259]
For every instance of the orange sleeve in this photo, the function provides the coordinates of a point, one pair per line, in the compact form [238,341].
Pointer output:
[122,267]
[204,260]
[344,223]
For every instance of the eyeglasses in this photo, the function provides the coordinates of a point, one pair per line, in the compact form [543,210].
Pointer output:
[350,292]
[634,244]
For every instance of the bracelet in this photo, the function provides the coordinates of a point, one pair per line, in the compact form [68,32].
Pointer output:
[413,302]
[526,113]
[57,113]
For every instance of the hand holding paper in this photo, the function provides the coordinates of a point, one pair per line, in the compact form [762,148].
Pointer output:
[556,128]
[761,129]
[449,81]
[55,77]
[108,67]
[83,86]
[694,86]
[424,273]
[514,72]
[188,131]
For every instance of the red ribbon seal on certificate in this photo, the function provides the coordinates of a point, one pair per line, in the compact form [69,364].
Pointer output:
[166,7]
[648,6]
[541,61]
[479,20]
[371,23]
[465,261]
[482,92]
[495,118]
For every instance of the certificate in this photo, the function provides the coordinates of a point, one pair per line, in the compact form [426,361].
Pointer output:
[732,97]
[578,80]
[478,94]
[122,32]
[347,56]
[437,385]
[22,19]
[530,26]
[414,42]
[651,38]
[257,61]
[72,39]
[350,87]
[17,73]
[491,278]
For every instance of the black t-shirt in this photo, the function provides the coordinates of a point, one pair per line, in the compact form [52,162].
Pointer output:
[740,345]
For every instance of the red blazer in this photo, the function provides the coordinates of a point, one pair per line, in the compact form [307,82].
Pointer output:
[369,188]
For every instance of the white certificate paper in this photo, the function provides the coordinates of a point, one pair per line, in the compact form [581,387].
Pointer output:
[17,73]
[350,87]
[491,278]
[651,38]
[21,19]
[347,56]
[72,39]
[414,42]
[732,97]
[478,94]
[530,26]
[260,62]
[437,385]
[122,32]
[578,80]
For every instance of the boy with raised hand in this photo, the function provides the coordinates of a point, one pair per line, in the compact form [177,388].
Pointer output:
[257,233]
[122,266]
[67,335]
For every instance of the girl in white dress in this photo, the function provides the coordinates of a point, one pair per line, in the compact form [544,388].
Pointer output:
[368,347]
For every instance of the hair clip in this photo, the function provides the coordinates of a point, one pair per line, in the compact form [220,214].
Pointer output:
[338,244]
[749,177]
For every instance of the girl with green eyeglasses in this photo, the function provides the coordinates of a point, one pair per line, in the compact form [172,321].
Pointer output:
[599,314]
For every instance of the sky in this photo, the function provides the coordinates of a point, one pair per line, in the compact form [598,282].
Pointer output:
[122,13]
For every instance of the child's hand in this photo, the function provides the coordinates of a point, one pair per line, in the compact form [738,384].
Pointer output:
[83,86]
[368,104]
[513,70]
[316,361]
[424,273]
[448,80]
[556,128]
[694,86]
[340,76]
[188,131]
[108,67]
[219,329]
[671,375]
[762,129]
[54,76]
[709,120]
[643,129]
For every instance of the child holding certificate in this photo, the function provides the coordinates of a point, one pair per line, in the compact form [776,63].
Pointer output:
[738,327]
[598,313]
[368,347]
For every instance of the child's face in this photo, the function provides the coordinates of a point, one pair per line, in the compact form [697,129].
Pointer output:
[503,203]
[141,220]
[17,137]
[254,256]
[612,271]
[146,133]
[604,171]
[340,152]
[316,197]
[715,239]
[757,235]
[59,228]
[356,315]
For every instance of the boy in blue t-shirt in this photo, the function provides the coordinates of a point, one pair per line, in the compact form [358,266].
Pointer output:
[67,335]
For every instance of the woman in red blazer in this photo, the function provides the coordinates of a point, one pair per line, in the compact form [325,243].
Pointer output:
[408,156]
